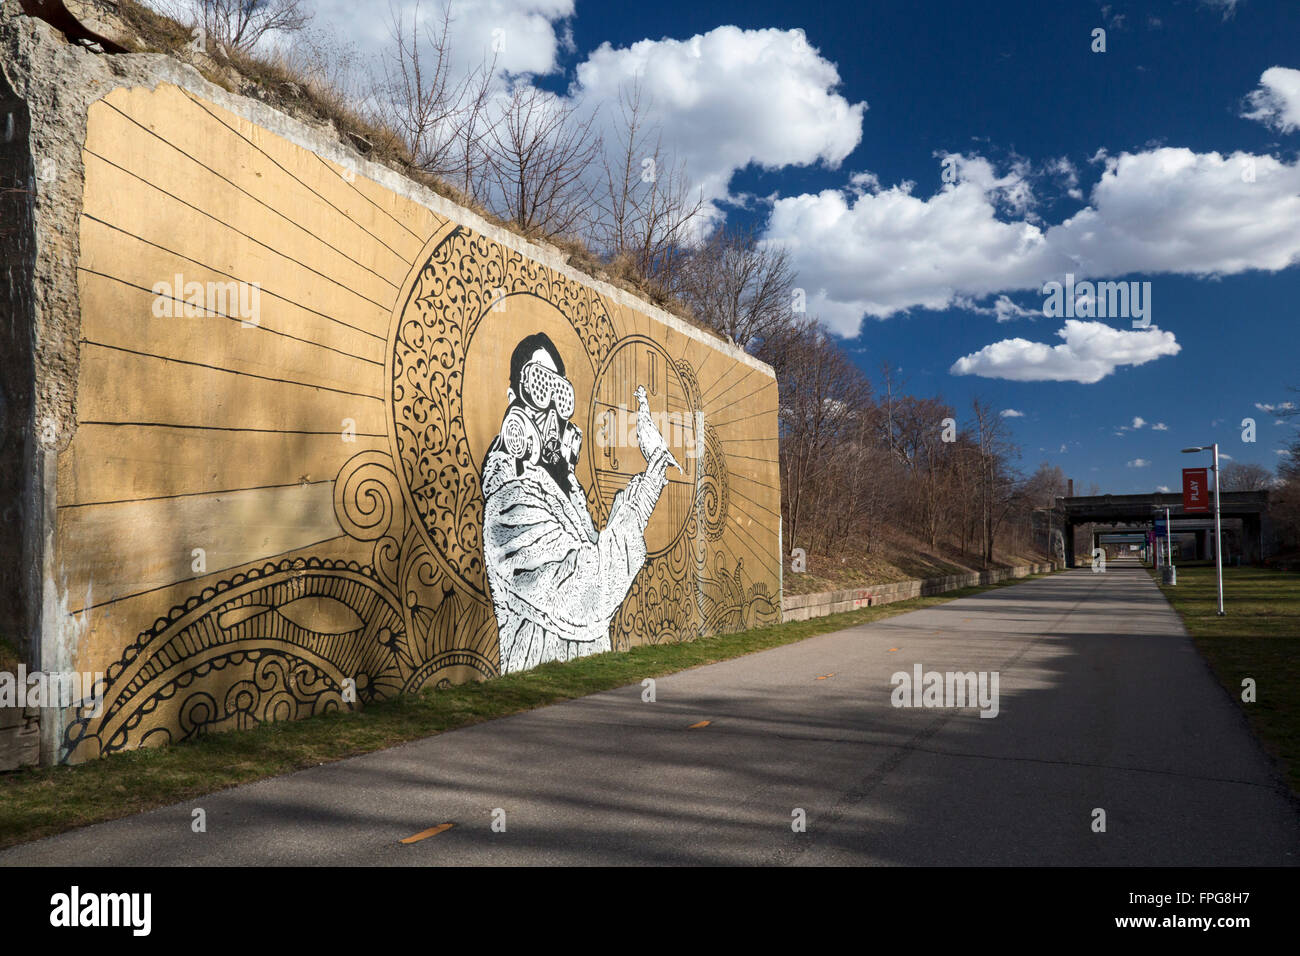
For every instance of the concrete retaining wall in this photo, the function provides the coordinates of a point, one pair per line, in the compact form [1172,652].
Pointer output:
[20,740]
[274,457]
[801,607]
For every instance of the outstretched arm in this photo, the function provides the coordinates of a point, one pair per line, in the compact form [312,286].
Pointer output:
[571,581]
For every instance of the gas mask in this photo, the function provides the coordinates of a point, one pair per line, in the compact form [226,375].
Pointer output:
[532,430]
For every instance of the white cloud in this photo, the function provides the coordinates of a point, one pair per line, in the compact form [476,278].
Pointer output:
[1229,7]
[1283,451]
[1280,407]
[1091,351]
[1277,101]
[1138,422]
[1138,463]
[1061,450]
[1163,489]
[1069,175]
[723,99]
[1003,308]
[1011,413]
[1165,210]
[530,34]
[731,97]
[1224,455]
[1160,427]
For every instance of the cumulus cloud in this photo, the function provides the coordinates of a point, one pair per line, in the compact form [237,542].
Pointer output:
[1011,413]
[1160,427]
[1138,463]
[1280,407]
[732,97]
[524,36]
[1164,210]
[1163,489]
[724,99]
[1138,422]
[1277,101]
[1091,351]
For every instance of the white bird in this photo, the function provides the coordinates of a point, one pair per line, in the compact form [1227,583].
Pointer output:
[647,435]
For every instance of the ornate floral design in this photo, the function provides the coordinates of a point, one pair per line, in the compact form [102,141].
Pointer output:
[284,640]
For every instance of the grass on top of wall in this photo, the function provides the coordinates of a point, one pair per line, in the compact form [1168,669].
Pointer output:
[1258,637]
[39,802]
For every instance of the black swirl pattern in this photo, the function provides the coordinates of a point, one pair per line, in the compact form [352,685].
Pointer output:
[301,636]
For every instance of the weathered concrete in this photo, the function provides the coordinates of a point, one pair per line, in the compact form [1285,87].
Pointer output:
[20,740]
[801,607]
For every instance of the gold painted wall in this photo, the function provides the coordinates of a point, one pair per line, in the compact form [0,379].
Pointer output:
[258,505]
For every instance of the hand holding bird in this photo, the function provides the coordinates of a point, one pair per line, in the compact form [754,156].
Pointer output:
[647,434]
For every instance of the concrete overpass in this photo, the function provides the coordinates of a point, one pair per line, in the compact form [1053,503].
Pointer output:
[1244,516]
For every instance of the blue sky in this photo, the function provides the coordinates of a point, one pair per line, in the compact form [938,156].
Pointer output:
[1129,164]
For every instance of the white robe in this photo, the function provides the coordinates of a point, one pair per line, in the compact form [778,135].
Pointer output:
[555,582]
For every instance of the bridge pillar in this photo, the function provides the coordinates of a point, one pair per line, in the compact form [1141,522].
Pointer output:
[1251,540]
[1069,544]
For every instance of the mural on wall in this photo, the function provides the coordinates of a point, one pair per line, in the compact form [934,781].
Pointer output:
[556,583]
[506,497]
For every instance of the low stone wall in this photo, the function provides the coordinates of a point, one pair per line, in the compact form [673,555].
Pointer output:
[20,737]
[801,607]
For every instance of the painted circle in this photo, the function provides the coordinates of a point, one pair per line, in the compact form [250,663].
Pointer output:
[612,449]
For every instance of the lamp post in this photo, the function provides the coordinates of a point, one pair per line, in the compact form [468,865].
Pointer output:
[1167,572]
[1218,531]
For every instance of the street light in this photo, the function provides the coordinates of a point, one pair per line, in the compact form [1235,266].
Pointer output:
[1218,533]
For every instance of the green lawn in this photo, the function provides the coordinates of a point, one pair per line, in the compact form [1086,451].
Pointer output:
[42,801]
[1259,638]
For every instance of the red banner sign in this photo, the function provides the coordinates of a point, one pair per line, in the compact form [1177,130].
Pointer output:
[1196,489]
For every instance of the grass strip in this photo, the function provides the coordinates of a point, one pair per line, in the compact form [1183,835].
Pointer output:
[41,801]
[1257,638]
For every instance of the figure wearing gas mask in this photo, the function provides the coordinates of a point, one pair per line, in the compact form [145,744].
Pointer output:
[555,582]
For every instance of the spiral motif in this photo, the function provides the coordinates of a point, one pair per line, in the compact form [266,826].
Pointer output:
[367,496]
[711,497]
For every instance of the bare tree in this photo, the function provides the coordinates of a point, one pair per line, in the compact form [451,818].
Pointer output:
[822,398]
[240,24]
[538,156]
[997,488]
[1242,476]
[739,286]
[646,205]
[441,114]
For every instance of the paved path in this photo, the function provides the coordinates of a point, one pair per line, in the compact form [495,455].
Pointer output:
[1103,703]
